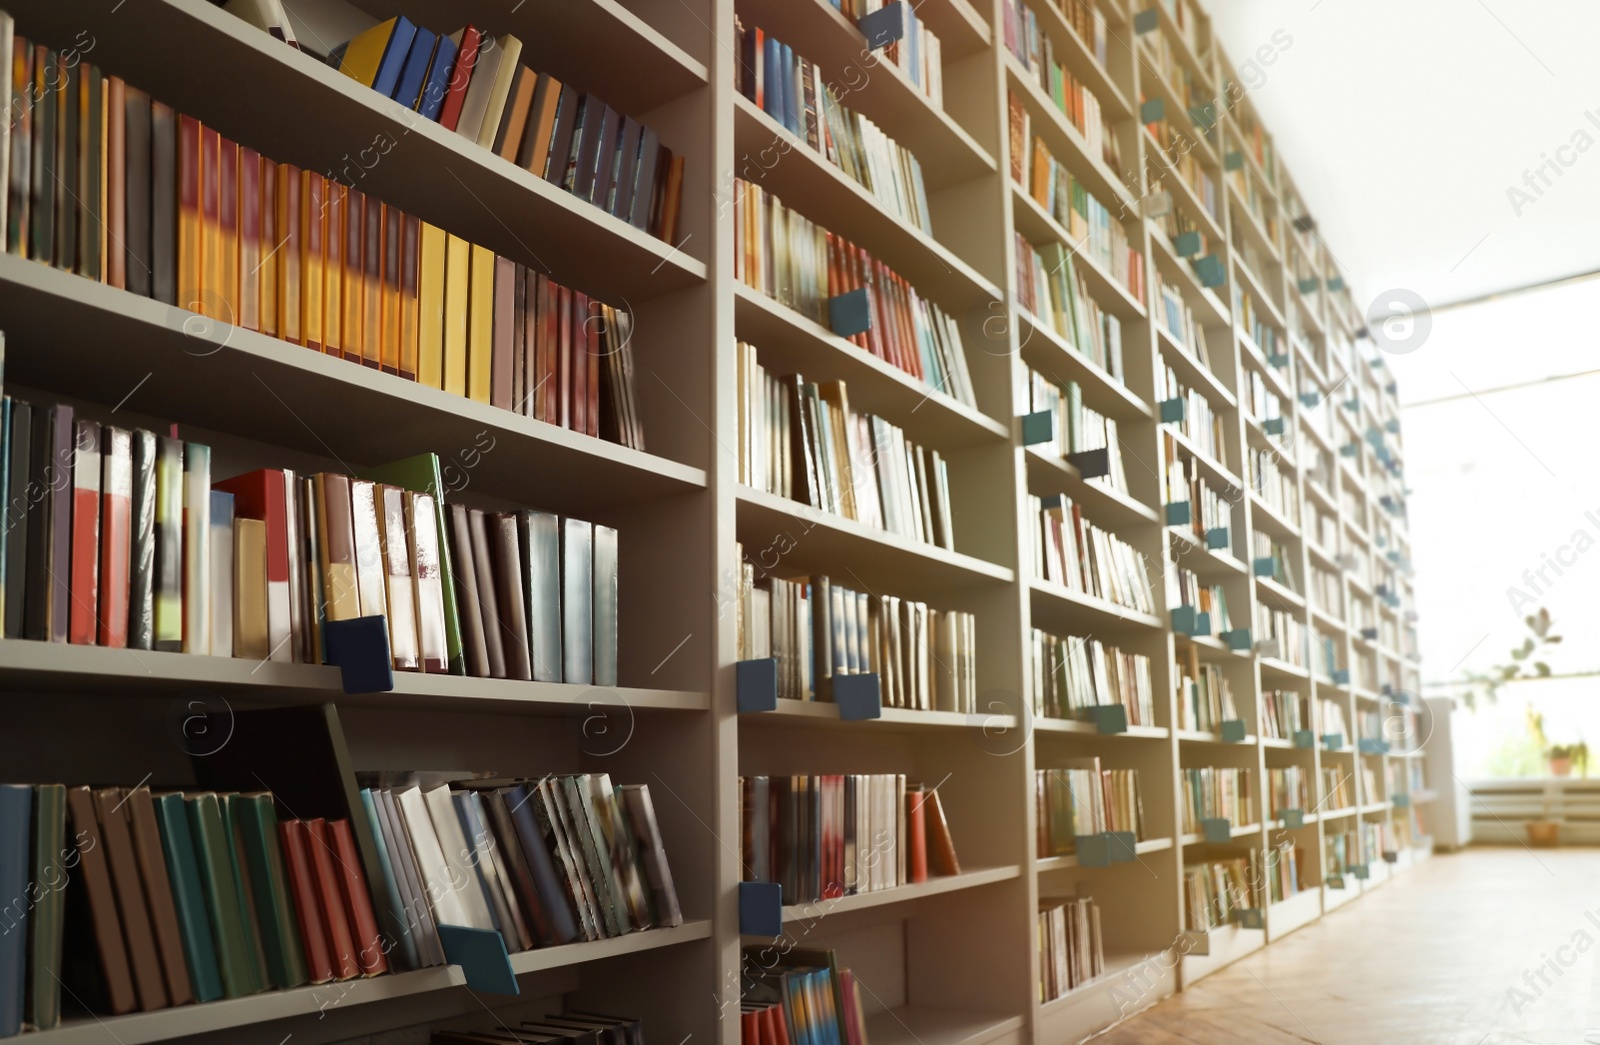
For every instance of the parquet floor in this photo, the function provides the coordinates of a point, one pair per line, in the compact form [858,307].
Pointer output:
[1432,958]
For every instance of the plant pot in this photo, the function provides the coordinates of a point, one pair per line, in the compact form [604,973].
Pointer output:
[1561,766]
[1545,834]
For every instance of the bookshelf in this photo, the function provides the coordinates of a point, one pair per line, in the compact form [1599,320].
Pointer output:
[953,960]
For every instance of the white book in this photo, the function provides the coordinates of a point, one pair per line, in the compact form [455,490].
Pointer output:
[196,548]
[480,88]
[460,865]
[445,897]
[510,50]
[221,574]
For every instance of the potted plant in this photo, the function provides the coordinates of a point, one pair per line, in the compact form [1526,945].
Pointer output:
[1545,832]
[1563,757]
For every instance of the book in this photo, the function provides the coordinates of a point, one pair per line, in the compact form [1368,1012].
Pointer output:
[509,51]
[82,627]
[302,882]
[214,848]
[177,844]
[158,894]
[222,574]
[16,813]
[328,879]
[20,523]
[138,933]
[577,601]
[196,524]
[45,921]
[256,824]
[105,978]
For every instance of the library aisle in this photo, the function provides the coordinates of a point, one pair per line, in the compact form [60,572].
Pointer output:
[1484,947]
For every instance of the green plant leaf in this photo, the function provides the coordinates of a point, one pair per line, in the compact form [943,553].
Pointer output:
[1541,669]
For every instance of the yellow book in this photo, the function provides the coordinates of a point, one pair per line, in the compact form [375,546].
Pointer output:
[480,326]
[456,272]
[250,632]
[409,314]
[191,241]
[227,289]
[430,305]
[394,223]
[351,294]
[213,294]
[372,284]
[364,53]
[334,197]
[287,220]
[312,252]
[271,236]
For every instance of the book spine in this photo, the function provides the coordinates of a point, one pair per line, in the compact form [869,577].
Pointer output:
[82,627]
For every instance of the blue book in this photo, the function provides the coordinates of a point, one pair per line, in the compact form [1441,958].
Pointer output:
[391,888]
[563,923]
[394,57]
[437,83]
[16,817]
[476,840]
[415,70]
[791,108]
[772,64]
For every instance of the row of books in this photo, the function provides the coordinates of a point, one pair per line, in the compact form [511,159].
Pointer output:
[474,83]
[1331,720]
[1050,288]
[796,262]
[819,630]
[1258,398]
[170,209]
[1205,700]
[1210,506]
[1072,674]
[1284,713]
[1216,792]
[1174,154]
[1073,552]
[1200,424]
[1340,850]
[1273,483]
[917,53]
[1084,799]
[1178,319]
[1285,864]
[1338,788]
[1258,200]
[121,538]
[1162,53]
[1327,591]
[1071,948]
[1284,634]
[795,93]
[1036,53]
[1185,588]
[1214,892]
[801,996]
[1076,428]
[573,1027]
[164,899]
[1257,325]
[1092,228]
[1286,789]
[542,862]
[1271,555]
[799,439]
[823,837]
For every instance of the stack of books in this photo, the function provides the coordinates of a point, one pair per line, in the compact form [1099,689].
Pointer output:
[1287,632]
[917,54]
[823,837]
[1179,320]
[795,93]
[121,538]
[799,264]
[1215,792]
[473,83]
[543,862]
[573,1027]
[1267,548]
[798,996]
[1175,154]
[111,184]
[818,630]
[1077,428]
[1210,508]
[1338,788]
[1205,701]
[1050,288]
[1185,588]
[1035,52]
[1200,425]
[1284,713]
[1215,892]
[1071,952]
[799,439]
[1286,789]
[1283,872]
[1070,674]
[1273,483]
[1084,799]
[1073,552]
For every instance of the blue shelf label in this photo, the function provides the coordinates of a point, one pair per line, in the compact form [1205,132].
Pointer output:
[756,683]
[859,696]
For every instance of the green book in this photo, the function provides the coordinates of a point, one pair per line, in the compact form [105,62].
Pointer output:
[45,921]
[256,822]
[188,895]
[420,474]
[243,892]
[215,863]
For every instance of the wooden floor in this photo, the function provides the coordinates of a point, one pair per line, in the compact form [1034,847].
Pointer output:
[1432,958]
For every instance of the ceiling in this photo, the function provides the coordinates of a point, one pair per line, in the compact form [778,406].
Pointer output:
[1406,123]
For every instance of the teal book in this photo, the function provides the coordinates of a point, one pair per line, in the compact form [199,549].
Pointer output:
[256,825]
[212,846]
[183,867]
[421,474]
[244,892]
[46,920]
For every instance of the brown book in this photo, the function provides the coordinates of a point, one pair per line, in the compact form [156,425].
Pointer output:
[116,184]
[482,563]
[191,249]
[470,607]
[335,196]
[591,350]
[535,150]
[352,325]
[288,255]
[519,319]
[106,924]
[340,588]
[513,615]
[313,253]
[372,283]
[271,238]
[508,139]
[357,900]
[225,296]
[672,196]
[410,302]
[211,293]
[505,307]
[129,886]
[250,252]
[158,894]
[941,849]
[529,338]
[394,223]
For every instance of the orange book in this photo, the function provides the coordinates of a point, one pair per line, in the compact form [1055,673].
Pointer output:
[288,222]
[191,242]
[271,239]
[228,231]
[673,196]
[372,283]
[480,326]
[394,223]
[457,283]
[249,239]
[430,305]
[212,292]
[334,196]
[352,328]
[410,308]
[312,253]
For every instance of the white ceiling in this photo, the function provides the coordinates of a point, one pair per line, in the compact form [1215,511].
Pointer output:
[1404,122]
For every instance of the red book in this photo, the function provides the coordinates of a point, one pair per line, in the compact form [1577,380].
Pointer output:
[303,882]
[591,381]
[250,239]
[260,495]
[549,344]
[357,901]
[916,836]
[750,1028]
[270,235]
[82,628]
[116,508]
[778,1026]
[227,266]
[561,363]
[456,93]
[330,896]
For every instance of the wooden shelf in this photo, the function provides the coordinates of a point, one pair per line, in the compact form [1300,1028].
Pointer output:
[1068,725]
[824,714]
[930,1025]
[1066,143]
[1055,603]
[1046,864]
[1039,227]
[1107,507]
[73,336]
[1059,360]
[818,910]
[1192,372]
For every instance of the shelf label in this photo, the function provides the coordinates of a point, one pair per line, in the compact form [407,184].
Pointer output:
[1186,620]
[1233,731]
[1309,399]
[1238,639]
[1304,739]
[1091,464]
[850,314]
[1292,817]
[1210,271]
[1038,427]
[1178,513]
[756,682]
[1401,800]
[1152,110]
[859,697]
[884,26]
[481,954]
[1341,677]
[1391,856]
[760,909]
[1333,741]
[1309,286]
[1123,846]
[1269,648]
[1093,850]
[1250,917]
[1358,871]
[1273,425]
[360,648]
[1217,538]
[1174,411]
[1264,566]
[1335,881]
[1217,830]
[1146,21]
[1187,244]
[1107,718]
[1233,161]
